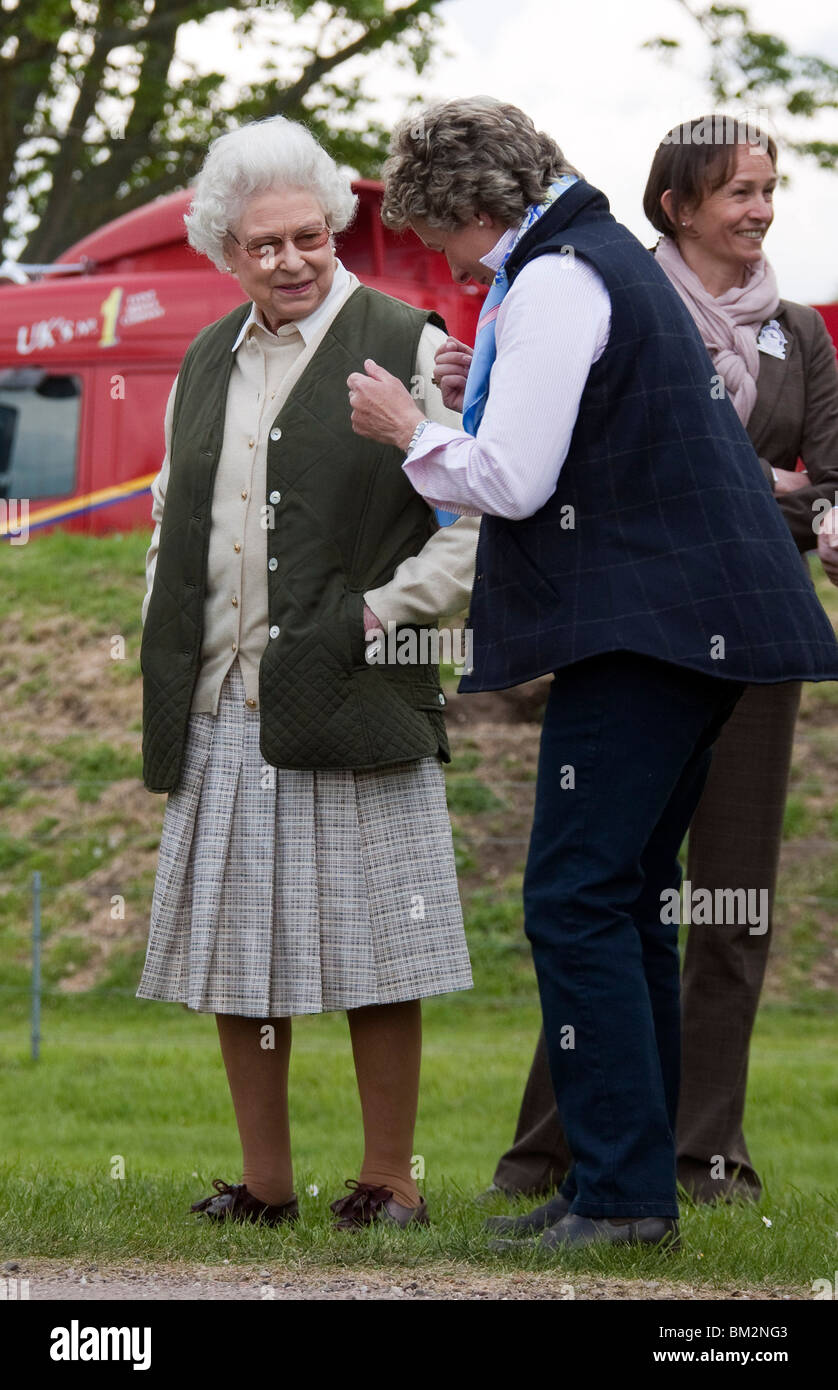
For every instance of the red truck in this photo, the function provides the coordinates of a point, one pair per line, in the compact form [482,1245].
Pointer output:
[88,354]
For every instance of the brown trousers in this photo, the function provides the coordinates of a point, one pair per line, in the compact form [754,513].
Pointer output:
[734,842]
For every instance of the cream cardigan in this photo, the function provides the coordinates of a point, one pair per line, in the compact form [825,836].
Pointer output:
[435,583]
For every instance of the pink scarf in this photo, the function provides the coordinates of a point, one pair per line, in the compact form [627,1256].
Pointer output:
[730,324]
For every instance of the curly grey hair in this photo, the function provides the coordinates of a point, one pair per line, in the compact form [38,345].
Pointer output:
[262,155]
[459,157]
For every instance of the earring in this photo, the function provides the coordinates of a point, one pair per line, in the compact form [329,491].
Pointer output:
[480,221]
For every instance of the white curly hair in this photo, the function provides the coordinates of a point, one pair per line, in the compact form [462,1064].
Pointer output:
[262,155]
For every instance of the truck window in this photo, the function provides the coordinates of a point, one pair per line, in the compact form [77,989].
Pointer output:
[39,430]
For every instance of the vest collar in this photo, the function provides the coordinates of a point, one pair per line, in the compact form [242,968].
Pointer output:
[580,197]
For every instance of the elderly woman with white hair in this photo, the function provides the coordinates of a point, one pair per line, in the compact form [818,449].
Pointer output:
[306,861]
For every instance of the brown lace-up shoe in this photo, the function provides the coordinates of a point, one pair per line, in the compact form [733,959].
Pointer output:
[235,1203]
[366,1204]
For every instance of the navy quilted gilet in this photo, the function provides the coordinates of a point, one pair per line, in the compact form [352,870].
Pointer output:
[662,536]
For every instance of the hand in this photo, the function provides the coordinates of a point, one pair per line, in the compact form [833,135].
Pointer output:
[451,363]
[828,545]
[788,480]
[382,408]
[371,623]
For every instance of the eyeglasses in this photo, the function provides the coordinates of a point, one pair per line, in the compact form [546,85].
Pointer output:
[267,247]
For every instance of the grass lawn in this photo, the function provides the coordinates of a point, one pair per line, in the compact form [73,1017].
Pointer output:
[123,1079]
[144,1083]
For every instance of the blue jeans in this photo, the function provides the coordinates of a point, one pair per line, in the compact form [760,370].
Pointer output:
[625,750]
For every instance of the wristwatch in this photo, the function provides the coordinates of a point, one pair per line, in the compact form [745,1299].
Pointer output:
[416,433]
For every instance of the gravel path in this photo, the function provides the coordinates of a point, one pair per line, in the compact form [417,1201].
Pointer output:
[135,1278]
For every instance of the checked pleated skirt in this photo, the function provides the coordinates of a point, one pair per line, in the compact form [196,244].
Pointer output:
[283,891]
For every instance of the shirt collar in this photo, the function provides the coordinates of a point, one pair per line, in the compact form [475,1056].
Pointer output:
[494,258]
[307,327]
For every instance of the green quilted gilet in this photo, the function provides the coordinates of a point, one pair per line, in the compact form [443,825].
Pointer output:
[343,517]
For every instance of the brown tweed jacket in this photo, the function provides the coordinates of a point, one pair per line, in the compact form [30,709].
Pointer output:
[796,415]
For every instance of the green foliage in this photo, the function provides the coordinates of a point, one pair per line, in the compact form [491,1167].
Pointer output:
[467,796]
[101,109]
[92,766]
[797,819]
[464,859]
[752,69]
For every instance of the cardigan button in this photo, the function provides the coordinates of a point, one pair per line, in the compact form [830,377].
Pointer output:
[274,632]
[273,563]
[441,698]
[276,434]
[275,496]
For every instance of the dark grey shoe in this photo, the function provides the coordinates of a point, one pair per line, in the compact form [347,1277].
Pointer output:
[536,1220]
[577,1232]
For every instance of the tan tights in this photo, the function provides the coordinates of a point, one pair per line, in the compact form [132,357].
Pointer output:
[386,1046]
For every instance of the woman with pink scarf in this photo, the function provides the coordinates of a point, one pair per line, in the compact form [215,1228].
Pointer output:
[710,194]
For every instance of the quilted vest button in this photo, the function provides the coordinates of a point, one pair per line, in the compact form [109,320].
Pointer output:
[276,434]
[441,698]
[274,497]
[273,563]
[274,632]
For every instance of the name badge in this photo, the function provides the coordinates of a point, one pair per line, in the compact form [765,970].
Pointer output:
[772,340]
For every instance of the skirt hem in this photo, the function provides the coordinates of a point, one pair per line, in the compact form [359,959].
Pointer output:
[300,887]
[397,998]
